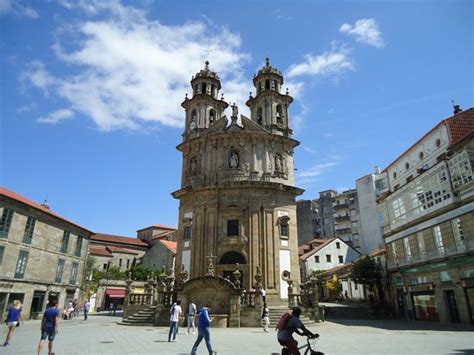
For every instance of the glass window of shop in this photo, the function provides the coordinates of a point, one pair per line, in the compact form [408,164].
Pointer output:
[425,306]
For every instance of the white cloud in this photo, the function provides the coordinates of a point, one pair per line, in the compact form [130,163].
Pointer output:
[57,116]
[316,170]
[17,8]
[310,150]
[333,62]
[365,31]
[130,71]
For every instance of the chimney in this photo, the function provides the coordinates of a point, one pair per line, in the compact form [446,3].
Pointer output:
[45,204]
[377,170]
[457,109]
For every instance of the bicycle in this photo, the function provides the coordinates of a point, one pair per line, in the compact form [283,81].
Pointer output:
[310,347]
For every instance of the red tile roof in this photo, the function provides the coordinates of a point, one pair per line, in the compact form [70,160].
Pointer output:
[459,127]
[108,238]
[158,226]
[163,235]
[115,249]
[22,199]
[172,246]
[307,246]
[99,250]
[319,247]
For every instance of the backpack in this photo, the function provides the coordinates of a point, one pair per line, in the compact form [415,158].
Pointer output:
[283,320]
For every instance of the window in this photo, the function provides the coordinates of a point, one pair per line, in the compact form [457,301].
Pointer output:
[187,233]
[438,143]
[355,287]
[128,264]
[120,262]
[421,243]
[21,264]
[79,245]
[232,227]
[74,273]
[328,258]
[284,230]
[59,271]
[29,229]
[407,166]
[394,174]
[5,222]
[65,242]
[444,276]
[104,267]
[438,239]
[316,258]
[2,251]
[406,244]
[458,233]
[421,155]
[341,259]
[338,245]
[394,251]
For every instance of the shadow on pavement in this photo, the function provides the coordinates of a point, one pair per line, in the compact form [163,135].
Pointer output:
[391,324]
[463,352]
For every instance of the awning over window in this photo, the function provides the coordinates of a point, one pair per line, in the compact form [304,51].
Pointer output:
[115,293]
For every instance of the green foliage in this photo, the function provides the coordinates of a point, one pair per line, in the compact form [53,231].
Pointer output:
[113,273]
[141,273]
[366,271]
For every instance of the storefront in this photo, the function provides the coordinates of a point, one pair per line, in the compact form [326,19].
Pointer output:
[424,306]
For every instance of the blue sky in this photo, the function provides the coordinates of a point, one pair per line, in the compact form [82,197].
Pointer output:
[91,91]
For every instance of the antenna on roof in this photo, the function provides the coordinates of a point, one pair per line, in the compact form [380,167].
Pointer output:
[456,108]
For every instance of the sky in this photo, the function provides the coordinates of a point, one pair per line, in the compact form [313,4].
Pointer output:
[91,91]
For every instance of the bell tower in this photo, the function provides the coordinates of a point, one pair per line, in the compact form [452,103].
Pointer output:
[204,107]
[270,108]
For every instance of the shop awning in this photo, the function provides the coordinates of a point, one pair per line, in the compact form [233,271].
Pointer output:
[115,293]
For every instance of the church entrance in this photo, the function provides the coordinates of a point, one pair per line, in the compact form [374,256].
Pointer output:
[228,263]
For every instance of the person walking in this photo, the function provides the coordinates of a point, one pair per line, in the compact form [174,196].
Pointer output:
[203,331]
[191,314]
[265,317]
[175,312]
[13,320]
[49,326]
[87,307]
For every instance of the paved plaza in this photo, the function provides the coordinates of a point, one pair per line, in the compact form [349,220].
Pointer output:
[102,335]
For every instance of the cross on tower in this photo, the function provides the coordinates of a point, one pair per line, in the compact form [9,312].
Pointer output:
[208,51]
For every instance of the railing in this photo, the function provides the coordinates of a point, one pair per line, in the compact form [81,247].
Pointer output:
[343,218]
[340,205]
[142,299]
[440,252]
[250,298]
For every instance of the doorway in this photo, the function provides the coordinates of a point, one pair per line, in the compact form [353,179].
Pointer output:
[452,306]
[401,303]
[37,304]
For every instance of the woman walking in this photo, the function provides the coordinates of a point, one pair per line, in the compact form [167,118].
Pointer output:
[265,318]
[13,320]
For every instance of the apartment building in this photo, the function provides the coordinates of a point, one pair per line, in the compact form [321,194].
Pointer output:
[42,255]
[428,224]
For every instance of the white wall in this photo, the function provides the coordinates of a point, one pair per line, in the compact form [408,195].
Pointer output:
[285,264]
[349,255]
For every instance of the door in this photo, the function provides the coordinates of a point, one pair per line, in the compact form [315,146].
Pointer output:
[452,306]
[37,304]
[401,303]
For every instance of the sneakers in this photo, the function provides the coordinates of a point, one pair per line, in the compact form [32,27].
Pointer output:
[5,343]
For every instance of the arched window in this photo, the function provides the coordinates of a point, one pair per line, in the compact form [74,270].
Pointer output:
[213,90]
[259,115]
[193,115]
[232,257]
[267,84]
[284,226]
[212,115]
[279,115]
[204,88]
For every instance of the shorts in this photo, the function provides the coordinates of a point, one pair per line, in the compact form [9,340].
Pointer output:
[10,324]
[48,333]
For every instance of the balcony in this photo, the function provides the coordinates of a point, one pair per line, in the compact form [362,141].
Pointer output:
[340,205]
[456,249]
[344,231]
[343,218]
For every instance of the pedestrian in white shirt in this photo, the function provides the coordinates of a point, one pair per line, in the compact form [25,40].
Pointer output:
[191,315]
[175,312]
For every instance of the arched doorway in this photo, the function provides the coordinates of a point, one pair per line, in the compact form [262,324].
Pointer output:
[227,264]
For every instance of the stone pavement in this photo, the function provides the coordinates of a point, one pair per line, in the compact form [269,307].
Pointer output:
[101,335]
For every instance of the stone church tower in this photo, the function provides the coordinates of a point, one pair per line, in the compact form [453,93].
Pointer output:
[237,196]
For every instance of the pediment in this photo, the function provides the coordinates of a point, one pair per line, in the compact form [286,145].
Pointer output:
[250,125]
[218,126]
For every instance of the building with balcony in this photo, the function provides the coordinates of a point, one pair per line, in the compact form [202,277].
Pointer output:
[428,224]
[42,254]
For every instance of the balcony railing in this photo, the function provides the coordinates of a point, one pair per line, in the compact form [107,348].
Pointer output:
[343,218]
[340,205]
[458,248]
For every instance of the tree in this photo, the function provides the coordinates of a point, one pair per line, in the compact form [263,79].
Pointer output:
[334,287]
[141,273]
[367,271]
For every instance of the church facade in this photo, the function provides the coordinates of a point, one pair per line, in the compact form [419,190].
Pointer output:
[237,195]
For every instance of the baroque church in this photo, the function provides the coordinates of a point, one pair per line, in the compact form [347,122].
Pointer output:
[237,197]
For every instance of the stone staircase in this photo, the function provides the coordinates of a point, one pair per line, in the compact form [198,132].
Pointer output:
[145,317]
[276,313]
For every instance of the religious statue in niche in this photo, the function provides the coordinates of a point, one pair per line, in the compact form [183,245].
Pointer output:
[193,166]
[279,163]
[234,160]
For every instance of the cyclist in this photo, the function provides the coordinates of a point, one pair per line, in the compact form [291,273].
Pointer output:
[294,324]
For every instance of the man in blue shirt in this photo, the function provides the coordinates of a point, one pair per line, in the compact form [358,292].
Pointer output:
[203,331]
[49,326]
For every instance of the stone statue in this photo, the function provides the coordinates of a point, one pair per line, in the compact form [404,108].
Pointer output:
[233,160]
[278,163]
[235,110]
